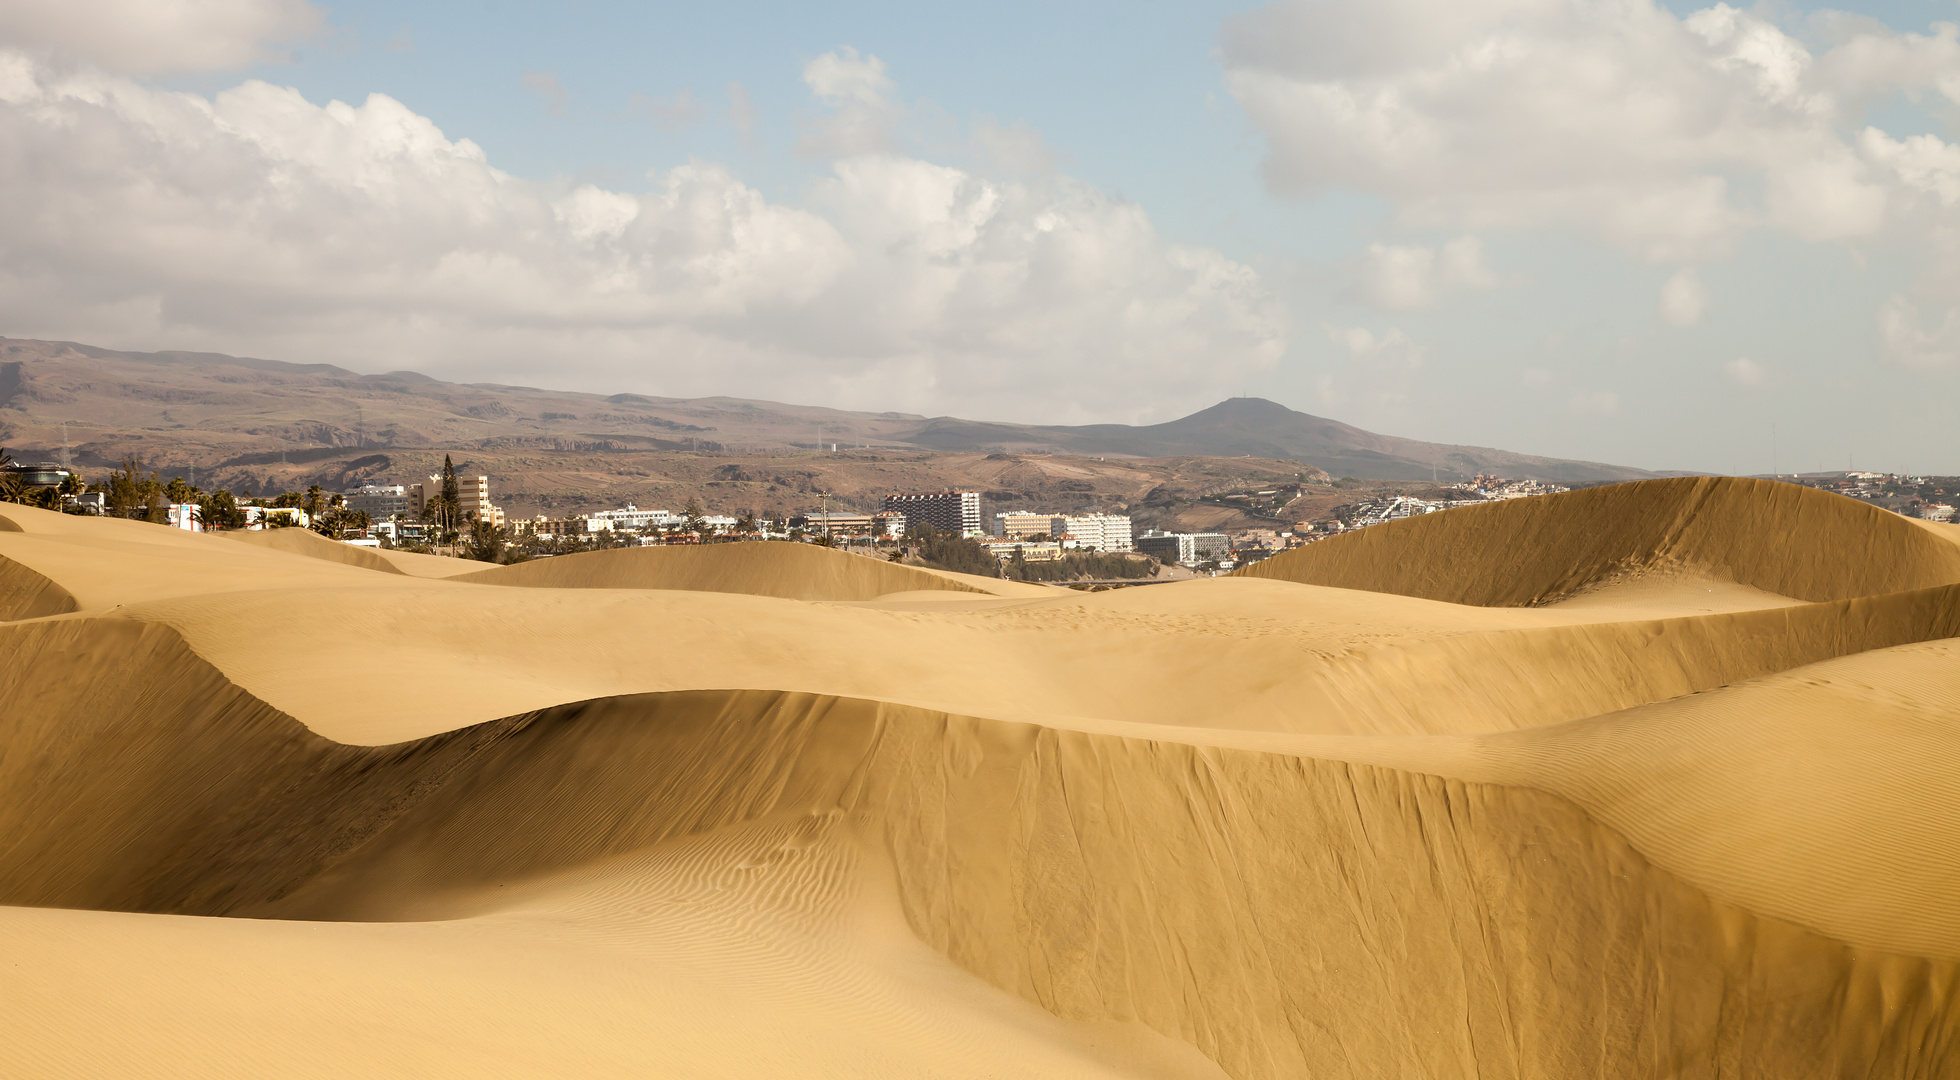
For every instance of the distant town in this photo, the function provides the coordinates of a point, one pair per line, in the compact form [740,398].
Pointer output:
[457,515]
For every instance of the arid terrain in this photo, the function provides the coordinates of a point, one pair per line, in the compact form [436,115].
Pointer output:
[1645,780]
[253,424]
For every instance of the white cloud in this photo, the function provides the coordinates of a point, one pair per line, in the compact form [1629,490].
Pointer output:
[1743,371]
[1684,299]
[1537,376]
[863,101]
[668,114]
[549,89]
[741,112]
[1924,163]
[256,221]
[1909,340]
[1381,368]
[1664,136]
[1599,403]
[154,37]
[1011,150]
[1404,278]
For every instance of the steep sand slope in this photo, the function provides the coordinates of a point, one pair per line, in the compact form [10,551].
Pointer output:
[27,594]
[1280,913]
[1781,538]
[1816,794]
[791,571]
[1305,829]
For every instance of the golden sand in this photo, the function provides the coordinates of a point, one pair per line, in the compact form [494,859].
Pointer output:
[1648,781]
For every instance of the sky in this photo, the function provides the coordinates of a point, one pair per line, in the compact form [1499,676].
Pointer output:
[1667,235]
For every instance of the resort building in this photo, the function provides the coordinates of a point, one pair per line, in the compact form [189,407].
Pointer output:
[472,498]
[1103,532]
[380,502]
[1188,549]
[1020,524]
[947,511]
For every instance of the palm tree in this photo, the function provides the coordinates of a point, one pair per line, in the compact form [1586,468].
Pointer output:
[487,541]
[10,487]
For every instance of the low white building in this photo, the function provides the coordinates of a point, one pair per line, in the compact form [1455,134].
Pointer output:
[1189,549]
[182,516]
[631,518]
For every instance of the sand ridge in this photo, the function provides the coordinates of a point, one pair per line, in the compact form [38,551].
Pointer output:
[768,568]
[1589,815]
[1783,539]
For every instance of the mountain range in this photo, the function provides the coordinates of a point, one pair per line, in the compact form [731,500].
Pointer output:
[209,410]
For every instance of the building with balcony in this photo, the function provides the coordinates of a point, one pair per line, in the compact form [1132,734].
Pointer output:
[472,498]
[956,512]
[1022,524]
[381,502]
[1103,532]
[1188,549]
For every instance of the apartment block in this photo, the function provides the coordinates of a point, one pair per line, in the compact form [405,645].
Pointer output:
[947,511]
[1103,532]
[1186,548]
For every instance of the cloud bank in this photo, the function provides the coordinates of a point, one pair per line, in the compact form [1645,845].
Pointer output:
[363,235]
[150,37]
[1665,137]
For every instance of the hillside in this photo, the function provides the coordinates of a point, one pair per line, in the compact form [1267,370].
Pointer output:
[214,412]
[1255,427]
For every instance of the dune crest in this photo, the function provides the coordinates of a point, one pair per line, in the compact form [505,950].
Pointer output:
[768,568]
[313,545]
[1780,538]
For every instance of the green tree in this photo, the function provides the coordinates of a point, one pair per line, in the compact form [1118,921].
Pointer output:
[1076,566]
[10,486]
[953,552]
[131,494]
[487,541]
[451,497]
[443,512]
[220,510]
[315,502]
[179,492]
[696,519]
[335,522]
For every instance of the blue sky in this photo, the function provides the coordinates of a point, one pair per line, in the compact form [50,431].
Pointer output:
[1644,235]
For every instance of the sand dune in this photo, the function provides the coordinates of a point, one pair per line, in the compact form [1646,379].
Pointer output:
[761,812]
[791,571]
[312,544]
[1780,538]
